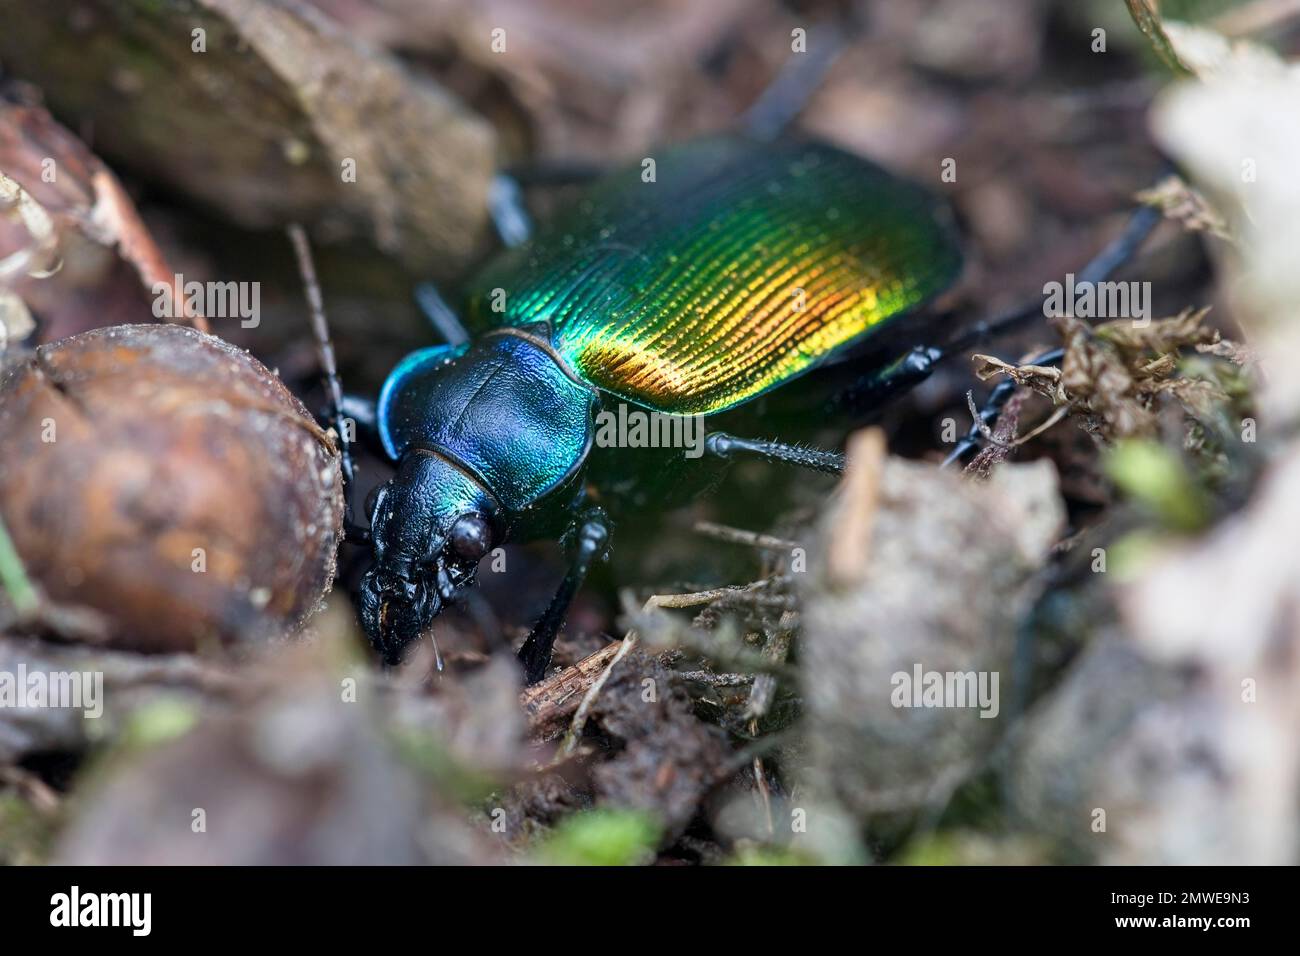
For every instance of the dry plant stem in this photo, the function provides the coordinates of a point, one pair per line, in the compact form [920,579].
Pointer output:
[1148,21]
[137,246]
[999,445]
[1013,442]
[707,596]
[738,590]
[982,425]
[740,536]
[778,602]
[775,650]
[40,794]
[760,779]
[580,716]
[760,701]
[716,680]
[550,703]
[848,551]
[1055,417]
[629,641]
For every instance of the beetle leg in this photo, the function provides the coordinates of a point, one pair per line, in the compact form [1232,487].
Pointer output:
[1141,223]
[440,315]
[786,96]
[361,413]
[354,533]
[546,172]
[591,540]
[988,414]
[915,366]
[508,211]
[364,415]
[878,387]
[816,459]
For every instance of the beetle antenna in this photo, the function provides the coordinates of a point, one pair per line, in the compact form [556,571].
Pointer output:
[1118,251]
[798,79]
[325,354]
[440,314]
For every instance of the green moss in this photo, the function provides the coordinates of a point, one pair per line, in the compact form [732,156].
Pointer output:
[770,856]
[1156,478]
[939,849]
[1131,554]
[158,722]
[968,848]
[26,835]
[428,755]
[602,838]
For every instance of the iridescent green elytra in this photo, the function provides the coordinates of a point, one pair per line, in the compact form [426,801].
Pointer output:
[738,268]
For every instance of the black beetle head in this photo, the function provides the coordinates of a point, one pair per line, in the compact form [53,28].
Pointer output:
[430,526]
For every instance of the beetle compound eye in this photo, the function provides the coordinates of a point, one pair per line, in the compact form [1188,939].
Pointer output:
[471,537]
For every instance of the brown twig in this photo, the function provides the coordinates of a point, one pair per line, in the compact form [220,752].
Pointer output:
[859,493]
[41,795]
[774,651]
[1147,18]
[711,679]
[731,535]
[999,440]
[550,703]
[115,212]
[629,641]
[761,696]
[706,596]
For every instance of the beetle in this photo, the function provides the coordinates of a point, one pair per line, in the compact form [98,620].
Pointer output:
[743,266]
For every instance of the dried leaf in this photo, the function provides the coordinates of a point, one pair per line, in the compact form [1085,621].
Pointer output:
[1097,379]
[1112,372]
[40,258]
[1167,336]
[83,206]
[1044,379]
[1186,206]
[16,322]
